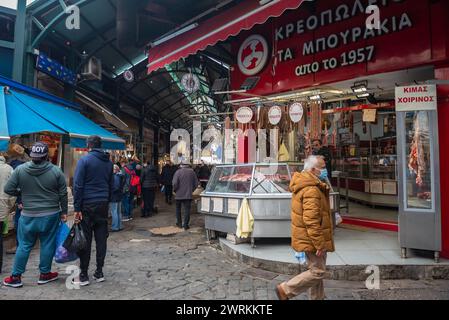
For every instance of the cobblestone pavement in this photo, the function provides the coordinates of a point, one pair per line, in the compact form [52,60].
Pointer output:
[185,266]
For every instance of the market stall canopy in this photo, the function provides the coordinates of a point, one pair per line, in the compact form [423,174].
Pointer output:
[229,23]
[24,114]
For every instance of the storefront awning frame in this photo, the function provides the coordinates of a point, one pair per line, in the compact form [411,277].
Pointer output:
[219,28]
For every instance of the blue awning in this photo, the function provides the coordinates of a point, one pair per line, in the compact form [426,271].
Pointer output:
[22,114]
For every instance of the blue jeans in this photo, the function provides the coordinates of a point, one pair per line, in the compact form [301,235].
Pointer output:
[30,229]
[116,212]
[16,224]
[126,203]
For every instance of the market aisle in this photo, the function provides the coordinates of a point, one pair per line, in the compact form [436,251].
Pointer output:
[184,266]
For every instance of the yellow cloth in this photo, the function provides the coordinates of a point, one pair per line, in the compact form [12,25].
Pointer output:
[245,220]
[283,153]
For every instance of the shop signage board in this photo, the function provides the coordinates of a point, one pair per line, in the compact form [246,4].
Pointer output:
[335,44]
[369,115]
[253,55]
[233,206]
[217,205]
[296,112]
[416,98]
[275,115]
[205,204]
[244,115]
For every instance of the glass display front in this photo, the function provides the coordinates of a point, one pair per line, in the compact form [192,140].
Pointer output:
[267,180]
[418,156]
[231,179]
[253,179]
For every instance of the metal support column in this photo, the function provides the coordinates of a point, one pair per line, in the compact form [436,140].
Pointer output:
[156,145]
[141,133]
[19,40]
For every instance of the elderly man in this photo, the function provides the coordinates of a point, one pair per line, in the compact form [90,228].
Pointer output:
[312,230]
[184,183]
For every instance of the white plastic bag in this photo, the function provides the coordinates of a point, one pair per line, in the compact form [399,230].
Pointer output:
[338,219]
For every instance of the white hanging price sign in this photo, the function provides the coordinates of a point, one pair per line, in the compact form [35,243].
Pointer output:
[296,112]
[274,115]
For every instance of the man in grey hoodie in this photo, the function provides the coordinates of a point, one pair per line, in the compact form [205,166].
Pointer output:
[44,195]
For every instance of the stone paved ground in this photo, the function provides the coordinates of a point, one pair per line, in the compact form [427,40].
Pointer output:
[184,266]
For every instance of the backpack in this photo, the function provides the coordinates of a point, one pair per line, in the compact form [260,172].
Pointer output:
[134,181]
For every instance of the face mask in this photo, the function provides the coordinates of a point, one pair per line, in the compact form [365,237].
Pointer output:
[324,175]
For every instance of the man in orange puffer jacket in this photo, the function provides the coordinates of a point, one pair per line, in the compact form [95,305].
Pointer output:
[312,230]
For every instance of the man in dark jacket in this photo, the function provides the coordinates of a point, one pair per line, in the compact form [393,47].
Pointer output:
[150,182]
[320,150]
[93,184]
[203,174]
[44,196]
[184,183]
[168,171]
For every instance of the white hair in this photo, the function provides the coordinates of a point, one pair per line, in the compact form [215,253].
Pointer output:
[311,162]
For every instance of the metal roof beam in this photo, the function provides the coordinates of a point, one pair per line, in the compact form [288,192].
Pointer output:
[37,41]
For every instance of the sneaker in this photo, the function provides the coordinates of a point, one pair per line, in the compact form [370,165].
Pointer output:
[126,219]
[186,228]
[179,225]
[98,276]
[47,277]
[83,280]
[13,282]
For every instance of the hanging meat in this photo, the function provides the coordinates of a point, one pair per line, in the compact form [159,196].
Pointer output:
[416,162]
[315,130]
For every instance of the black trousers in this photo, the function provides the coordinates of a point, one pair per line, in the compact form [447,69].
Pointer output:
[94,223]
[148,201]
[1,246]
[186,205]
[168,193]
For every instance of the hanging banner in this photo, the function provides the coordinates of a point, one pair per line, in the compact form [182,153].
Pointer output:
[296,112]
[275,115]
[416,98]
[244,115]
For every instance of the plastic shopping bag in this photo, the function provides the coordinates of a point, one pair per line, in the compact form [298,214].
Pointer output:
[338,219]
[76,240]
[62,255]
[5,227]
[301,257]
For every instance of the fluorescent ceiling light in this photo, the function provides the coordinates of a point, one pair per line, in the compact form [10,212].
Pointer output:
[315,97]
[224,65]
[174,34]
[264,2]
[363,95]
[360,87]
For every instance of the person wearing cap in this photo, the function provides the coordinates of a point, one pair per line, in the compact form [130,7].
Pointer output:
[43,188]
[93,186]
[184,183]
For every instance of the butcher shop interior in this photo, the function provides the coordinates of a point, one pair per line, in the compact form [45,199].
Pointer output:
[359,128]
[356,123]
